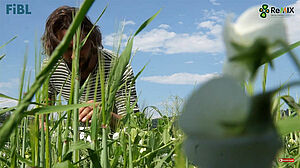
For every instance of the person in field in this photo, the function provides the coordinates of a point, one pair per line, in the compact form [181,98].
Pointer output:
[60,81]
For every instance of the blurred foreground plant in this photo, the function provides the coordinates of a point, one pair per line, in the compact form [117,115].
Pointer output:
[224,126]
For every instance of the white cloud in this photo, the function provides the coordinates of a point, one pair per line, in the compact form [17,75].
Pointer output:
[189,62]
[180,78]
[180,22]
[193,43]
[113,39]
[154,40]
[206,24]
[214,2]
[129,22]
[214,15]
[207,39]
[292,23]
[159,40]
[164,26]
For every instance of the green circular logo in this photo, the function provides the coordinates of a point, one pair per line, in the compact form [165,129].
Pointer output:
[264,10]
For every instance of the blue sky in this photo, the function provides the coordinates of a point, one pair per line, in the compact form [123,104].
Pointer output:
[183,45]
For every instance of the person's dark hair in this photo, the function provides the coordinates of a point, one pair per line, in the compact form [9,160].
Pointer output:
[61,18]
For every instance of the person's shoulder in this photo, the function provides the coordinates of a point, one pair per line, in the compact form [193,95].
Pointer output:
[108,54]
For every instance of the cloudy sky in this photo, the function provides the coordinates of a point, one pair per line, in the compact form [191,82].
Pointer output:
[182,47]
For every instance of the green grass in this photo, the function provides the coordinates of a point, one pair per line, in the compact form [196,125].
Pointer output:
[26,141]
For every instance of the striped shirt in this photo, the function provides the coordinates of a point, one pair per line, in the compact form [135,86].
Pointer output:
[60,82]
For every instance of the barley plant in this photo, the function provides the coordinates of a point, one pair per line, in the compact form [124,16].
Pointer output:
[49,135]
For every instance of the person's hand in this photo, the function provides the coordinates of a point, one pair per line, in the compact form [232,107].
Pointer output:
[86,113]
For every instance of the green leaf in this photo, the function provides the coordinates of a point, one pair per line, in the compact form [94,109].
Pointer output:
[7,109]
[86,37]
[146,23]
[57,123]
[265,73]
[27,162]
[291,103]
[8,97]
[160,163]
[166,135]
[5,161]
[80,145]
[84,85]
[65,164]
[8,42]
[288,125]
[58,108]
[2,56]
[94,157]
[283,51]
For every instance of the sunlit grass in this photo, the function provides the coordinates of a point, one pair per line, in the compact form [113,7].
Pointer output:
[26,140]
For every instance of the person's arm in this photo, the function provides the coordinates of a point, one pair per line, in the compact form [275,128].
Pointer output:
[85,113]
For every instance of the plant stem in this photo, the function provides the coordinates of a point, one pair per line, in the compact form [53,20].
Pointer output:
[104,145]
[48,145]
[24,139]
[75,68]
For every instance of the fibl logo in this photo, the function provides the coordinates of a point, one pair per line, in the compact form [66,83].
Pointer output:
[275,11]
[17,9]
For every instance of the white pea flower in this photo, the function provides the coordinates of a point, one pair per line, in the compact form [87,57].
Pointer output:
[116,136]
[217,103]
[142,150]
[244,32]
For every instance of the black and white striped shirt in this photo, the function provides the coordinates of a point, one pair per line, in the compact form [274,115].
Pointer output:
[60,82]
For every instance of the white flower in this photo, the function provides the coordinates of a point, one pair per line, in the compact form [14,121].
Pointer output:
[216,103]
[245,31]
[116,136]
[142,150]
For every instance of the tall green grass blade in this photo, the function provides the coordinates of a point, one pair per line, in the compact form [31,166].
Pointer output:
[264,82]
[5,161]
[289,100]
[23,75]
[94,158]
[2,56]
[152,152]
[58,108]
[7,97]
[47,144]
[146,23]
[84,85]
[75,67]
[42,152]
[280,52]
[292,54]
[24,139]
[36,141]
[8,127]
[161,162]
[154,108]
[85,38]
[58,122]
[25,161]
[14,138]
[8,42]
[7,109]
